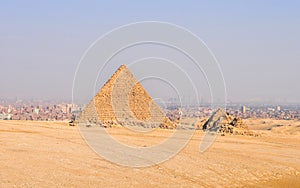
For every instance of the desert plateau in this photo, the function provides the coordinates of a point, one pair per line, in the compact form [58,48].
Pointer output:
[53,154]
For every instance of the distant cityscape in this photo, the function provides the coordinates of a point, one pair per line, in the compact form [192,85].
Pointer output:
[39,110]
[284,112]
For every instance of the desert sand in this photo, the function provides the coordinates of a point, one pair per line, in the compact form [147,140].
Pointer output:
[53,154]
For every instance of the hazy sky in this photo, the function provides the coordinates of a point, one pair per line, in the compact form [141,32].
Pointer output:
[257,43]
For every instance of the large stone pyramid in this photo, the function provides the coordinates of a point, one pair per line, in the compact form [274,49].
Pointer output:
[123,101]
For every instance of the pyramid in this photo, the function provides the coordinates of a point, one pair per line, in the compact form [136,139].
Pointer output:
[123,101]
[224,123]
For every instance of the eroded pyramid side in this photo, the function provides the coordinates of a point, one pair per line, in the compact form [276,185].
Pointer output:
[88,115]
[224,123]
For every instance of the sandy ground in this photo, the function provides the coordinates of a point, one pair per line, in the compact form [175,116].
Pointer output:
[52,154]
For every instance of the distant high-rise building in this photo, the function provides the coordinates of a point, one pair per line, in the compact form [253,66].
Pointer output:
[243,109]
[277,108]
[36,111]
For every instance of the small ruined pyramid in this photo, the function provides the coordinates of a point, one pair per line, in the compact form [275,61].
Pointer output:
[224,123]
[123,101]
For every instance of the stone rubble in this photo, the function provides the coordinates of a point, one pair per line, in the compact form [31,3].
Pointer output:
[223,123]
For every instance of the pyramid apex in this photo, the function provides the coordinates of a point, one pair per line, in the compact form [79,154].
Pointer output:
[123,66]
[220,110]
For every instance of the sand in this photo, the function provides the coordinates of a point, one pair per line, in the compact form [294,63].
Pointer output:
[53,154]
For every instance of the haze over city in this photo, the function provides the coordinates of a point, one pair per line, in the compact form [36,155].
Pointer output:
[256,43]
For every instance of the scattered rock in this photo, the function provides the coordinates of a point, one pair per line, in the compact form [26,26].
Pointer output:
[71,123]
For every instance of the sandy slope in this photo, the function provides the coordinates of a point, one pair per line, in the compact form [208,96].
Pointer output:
[41,154]
[289,127]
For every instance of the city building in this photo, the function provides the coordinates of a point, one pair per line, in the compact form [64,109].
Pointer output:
[243,109]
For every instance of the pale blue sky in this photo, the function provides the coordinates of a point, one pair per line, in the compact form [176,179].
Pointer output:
[257,43]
